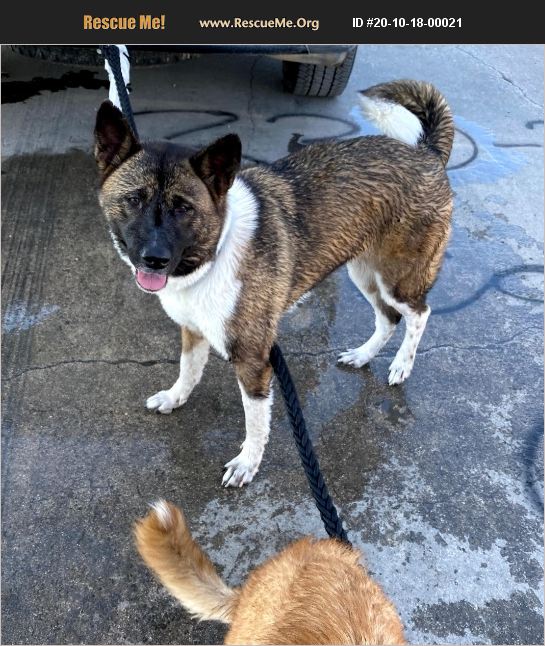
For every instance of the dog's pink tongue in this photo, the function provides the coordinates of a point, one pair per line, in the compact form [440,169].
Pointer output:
[151,282]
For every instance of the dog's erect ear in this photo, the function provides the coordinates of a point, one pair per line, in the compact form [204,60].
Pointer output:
[114,140]
[218,164]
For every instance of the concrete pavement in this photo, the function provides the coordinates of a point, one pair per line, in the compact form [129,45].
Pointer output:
[440,480]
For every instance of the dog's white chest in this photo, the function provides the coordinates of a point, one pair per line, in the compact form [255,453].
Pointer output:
[206,300]
[206,307]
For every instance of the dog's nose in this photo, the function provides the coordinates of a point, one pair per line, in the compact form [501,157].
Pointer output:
[156,257]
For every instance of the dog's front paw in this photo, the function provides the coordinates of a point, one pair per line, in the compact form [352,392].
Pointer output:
[356,357]
[165,401]
[400,369]
[240,470]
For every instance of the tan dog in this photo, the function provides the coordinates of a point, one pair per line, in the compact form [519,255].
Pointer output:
[313,592]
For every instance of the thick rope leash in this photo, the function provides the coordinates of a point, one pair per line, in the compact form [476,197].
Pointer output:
[332,523]
[118,68]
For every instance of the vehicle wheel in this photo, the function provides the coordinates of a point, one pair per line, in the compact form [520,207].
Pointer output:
[89,56]
[318,80]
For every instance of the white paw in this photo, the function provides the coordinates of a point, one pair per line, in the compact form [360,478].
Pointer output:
[400,369]
[240,470]
[164,402]
[357,357]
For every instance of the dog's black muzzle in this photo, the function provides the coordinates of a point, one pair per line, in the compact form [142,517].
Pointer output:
[155,257]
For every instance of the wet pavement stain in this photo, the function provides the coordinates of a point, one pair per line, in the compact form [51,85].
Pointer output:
[19,91]
[469,624]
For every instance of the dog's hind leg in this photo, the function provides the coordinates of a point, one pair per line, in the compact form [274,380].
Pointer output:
[416,316]
[402,365]
[193,358]
[386,317]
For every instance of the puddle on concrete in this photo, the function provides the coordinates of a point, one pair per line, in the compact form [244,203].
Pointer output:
[19,91]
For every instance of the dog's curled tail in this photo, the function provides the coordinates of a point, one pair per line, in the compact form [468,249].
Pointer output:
[414,112]
[165,543]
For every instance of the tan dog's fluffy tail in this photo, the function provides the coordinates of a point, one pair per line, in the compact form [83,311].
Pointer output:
[165,543]
[414,112]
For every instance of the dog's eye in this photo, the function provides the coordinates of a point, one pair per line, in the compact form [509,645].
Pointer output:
[133,200]
[181,207]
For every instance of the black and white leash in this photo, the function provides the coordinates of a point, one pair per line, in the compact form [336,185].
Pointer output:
[118,67]
[328,512]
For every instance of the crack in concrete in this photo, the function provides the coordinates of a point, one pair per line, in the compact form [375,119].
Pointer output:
[488,346]
[447,346]
[111,362]
[303,353]
[501,75]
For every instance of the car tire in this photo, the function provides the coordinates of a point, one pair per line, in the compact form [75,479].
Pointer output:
[303,79]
